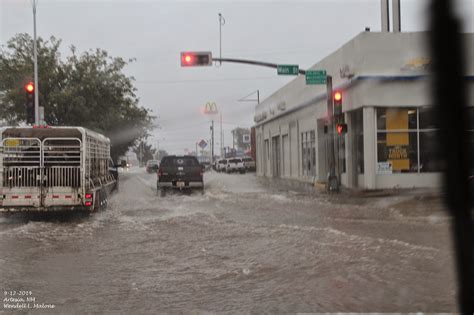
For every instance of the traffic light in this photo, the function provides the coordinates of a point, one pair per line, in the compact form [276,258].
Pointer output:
[341,128]
[30,103]
[194,58]
[337,99]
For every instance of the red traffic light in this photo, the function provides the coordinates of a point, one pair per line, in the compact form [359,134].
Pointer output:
[193,59]
[187,60]
[338,96]
[30,87]
[341,128]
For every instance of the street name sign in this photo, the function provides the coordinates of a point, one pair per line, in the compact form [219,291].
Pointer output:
[315,76]
[288,69]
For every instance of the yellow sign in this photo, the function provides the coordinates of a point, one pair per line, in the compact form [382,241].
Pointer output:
[397,153]
[397,142]
[12,142]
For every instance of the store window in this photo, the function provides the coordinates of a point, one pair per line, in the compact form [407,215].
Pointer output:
[308,153]
[406,141]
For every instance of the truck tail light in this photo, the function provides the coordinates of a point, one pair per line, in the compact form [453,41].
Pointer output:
[88,203]
[160,172]
[88,196]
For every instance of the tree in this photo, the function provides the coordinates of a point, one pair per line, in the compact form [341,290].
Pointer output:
[144,152]
[88,90]
[160,154]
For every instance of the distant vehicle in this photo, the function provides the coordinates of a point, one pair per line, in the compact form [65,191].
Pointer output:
[249,164]
[152,166]
[221,165]
[124,165]
[55,169]
[235,165]
[206,165]
[179,172]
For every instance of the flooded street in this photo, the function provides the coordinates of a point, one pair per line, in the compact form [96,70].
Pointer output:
[239,247]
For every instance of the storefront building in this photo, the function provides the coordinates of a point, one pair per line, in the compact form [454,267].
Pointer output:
[387,106]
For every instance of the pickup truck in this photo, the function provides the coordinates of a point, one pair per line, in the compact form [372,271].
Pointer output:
[179,173]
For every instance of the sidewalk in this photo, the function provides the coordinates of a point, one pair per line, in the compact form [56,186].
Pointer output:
[415,202]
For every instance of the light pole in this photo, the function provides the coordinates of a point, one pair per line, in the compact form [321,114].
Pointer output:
[222,137]
[212,144]
[35,60]
[221,22]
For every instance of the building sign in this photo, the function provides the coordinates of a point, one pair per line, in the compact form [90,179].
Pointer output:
[384,168]
[346,72]
[417,64]
[246,139]
[211,108]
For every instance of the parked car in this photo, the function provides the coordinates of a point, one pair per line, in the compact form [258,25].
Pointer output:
[179,172]
[206,165]
[249,164]
[235,165]
[221,165]
[152,166]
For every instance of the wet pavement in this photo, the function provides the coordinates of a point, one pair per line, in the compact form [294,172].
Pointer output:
[239,247]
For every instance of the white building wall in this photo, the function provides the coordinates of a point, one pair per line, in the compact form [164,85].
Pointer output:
[388,71]
[369,148]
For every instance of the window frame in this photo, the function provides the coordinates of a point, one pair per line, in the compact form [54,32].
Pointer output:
[416,130]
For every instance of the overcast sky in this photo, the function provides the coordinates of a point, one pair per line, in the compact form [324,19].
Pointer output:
[155,32]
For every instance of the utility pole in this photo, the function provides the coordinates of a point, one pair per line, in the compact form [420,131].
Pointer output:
[35,60]
[233,139]
[212,142]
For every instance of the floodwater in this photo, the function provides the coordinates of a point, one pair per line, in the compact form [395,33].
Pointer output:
[240,247]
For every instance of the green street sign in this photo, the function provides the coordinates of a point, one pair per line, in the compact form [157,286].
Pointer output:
[288,69]
[316,77]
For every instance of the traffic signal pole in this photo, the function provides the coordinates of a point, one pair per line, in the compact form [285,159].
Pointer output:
[35,59]
[332,180]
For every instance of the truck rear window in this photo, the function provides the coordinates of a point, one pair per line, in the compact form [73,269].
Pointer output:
[180,161]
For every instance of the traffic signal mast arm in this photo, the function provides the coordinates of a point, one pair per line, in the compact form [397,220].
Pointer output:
[253,62]
[204,58]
